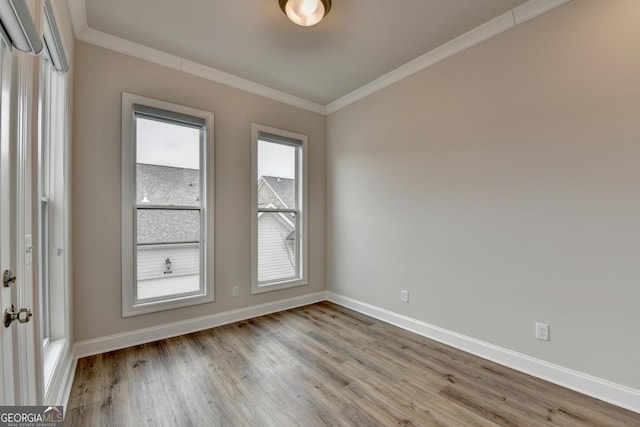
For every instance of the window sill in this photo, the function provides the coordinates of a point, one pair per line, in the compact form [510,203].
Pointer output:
[276,286]
[167,304]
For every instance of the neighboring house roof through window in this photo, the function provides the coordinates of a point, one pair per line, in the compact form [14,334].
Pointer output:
[282,188]
[167,185]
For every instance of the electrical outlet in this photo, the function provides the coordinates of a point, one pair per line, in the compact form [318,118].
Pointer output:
[235,291]
[542,331]
[404,296]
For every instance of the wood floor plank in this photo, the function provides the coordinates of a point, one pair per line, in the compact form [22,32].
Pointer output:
[319,365]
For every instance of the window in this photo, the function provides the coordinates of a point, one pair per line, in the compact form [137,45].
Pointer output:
[48,140]
[279,219]
[164,209]
[52,202]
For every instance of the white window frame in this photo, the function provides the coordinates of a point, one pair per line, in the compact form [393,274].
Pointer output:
[52,207]
[130,306]
[45,141]
[301,214]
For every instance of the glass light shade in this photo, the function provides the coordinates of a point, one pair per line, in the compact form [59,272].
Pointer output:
[305,12]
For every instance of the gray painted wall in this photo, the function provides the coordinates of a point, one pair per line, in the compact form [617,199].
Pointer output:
[501,187]
[101,77]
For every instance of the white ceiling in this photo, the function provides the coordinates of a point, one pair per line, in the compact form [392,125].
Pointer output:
[358,41]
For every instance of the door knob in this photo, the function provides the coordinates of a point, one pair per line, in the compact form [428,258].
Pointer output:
[23,315]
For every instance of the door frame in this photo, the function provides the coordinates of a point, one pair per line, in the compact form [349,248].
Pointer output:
[7,296]
[27,352]
[21,353]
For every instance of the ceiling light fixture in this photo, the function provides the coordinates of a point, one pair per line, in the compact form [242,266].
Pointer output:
[305,12]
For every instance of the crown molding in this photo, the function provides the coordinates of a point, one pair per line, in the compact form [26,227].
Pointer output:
[489,29]
[108,41]
[86,34]
[117,44]
[498,25]
[534,8]
[218,76]
[78,14]
[471,38]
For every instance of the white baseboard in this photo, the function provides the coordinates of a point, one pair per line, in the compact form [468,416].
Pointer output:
[141,336]
[70,372]
[607,391]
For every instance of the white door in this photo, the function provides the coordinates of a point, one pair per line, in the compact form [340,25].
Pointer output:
[7,390]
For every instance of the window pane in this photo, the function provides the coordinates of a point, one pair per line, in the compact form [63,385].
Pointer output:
[44,269]
[168,226]
[166,185]
[166,269]
[168,252]
[276,175]
[167,163]
[277,246]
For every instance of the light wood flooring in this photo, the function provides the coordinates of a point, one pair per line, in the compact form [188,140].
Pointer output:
[319,365]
